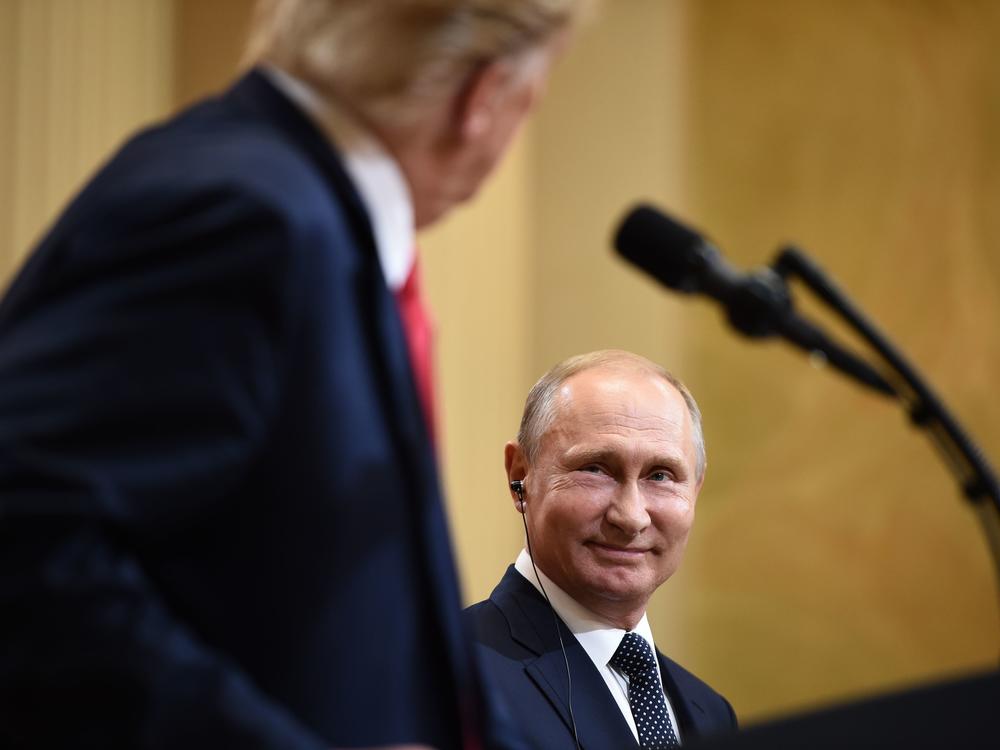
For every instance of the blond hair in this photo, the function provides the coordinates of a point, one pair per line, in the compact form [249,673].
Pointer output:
[394,59]
[540,406]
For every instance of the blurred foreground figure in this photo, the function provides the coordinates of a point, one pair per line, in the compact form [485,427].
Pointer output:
[606,470]
[220,521]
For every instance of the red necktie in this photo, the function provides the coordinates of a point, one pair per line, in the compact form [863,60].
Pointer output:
[419,328]
[420,340]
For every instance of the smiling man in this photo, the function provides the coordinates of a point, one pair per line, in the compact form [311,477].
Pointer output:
[606,470]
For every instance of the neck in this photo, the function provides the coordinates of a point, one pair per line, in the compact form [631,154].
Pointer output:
[626,619]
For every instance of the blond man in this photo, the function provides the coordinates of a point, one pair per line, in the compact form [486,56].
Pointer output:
[220,522]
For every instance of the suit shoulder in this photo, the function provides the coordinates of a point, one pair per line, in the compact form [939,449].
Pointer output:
[192,183]
[483,618]
[198,156]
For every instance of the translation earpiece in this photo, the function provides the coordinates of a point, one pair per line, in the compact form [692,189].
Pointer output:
[517,487]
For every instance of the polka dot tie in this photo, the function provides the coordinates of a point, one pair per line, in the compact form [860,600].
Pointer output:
[634,659]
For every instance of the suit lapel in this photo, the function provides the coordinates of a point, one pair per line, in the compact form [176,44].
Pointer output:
[255,94]
[599,721]
[386,337]
[398,386]
[691,716]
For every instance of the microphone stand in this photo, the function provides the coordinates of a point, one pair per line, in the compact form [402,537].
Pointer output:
[976,479]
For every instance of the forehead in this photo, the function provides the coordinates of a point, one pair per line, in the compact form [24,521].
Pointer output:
[609,403]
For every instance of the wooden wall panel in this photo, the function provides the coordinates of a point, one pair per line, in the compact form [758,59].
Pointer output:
[76,76]
[208,45]
[834,556]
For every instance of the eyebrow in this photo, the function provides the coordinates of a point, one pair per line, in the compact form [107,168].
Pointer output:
[589,455]
[583,456]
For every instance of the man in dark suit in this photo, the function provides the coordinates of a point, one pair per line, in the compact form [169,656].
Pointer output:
[605,471]
[220,521]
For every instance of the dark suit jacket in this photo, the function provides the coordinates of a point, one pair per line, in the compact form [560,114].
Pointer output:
[220,520]
[518,647]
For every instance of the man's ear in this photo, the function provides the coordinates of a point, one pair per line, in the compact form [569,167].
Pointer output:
[476,106]
[508,85]
[517,469]
[491,88]
[700,483]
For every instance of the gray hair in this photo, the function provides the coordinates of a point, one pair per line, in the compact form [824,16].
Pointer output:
[394,59]
[540,406]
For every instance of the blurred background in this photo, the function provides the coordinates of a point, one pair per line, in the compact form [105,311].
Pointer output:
[832,557]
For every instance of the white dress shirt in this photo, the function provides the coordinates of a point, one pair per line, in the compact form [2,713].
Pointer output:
[375,174]
[599,639]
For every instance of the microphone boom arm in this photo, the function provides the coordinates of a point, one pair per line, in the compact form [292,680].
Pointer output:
[968,465]
[759,305]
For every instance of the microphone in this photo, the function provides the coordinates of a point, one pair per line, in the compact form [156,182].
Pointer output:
[757,304]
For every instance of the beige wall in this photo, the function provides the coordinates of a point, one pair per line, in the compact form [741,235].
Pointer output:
[831,556]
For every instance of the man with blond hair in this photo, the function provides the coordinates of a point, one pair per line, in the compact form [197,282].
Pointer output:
[220,517]
[605,473]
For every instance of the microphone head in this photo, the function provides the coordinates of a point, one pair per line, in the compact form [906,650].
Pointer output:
[663,248]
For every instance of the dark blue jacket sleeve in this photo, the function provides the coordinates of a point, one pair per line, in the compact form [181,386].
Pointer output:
[139,370]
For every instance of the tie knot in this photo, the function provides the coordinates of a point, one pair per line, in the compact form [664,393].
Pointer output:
[634,657]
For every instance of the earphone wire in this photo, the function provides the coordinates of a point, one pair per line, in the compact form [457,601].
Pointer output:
[555,620]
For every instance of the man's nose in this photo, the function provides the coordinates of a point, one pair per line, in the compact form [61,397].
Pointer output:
[627,511]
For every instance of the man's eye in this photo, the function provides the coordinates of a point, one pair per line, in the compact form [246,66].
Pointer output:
[659,476]
[592,469]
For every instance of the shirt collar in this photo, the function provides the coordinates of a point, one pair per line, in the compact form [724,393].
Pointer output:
[376,175]
[599,638]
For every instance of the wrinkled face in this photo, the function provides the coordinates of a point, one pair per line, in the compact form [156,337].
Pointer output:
[611,495]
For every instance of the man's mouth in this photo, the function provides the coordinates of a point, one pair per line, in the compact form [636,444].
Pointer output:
[617,552]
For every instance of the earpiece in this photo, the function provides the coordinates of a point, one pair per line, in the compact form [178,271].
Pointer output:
[517,487]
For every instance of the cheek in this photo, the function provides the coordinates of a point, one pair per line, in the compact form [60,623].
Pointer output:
[567,515]
[490,152]
[673,529]
[673,521]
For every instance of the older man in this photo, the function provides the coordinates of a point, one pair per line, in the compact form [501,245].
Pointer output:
[220,522]
[605,472]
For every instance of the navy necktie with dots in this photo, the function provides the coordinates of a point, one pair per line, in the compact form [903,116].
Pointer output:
[634,659]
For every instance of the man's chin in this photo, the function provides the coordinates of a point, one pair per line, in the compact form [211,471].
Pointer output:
[619,587]
[617,556]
